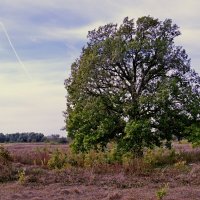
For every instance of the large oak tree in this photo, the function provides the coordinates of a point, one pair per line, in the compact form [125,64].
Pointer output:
[132,85]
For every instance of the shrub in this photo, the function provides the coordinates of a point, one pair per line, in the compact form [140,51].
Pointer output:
[6,168]
[21,176]
[181,165]
[5,156]
[159,157]
[162,192]
[57,160]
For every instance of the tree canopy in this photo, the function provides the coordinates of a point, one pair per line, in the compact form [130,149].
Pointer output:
[132,85]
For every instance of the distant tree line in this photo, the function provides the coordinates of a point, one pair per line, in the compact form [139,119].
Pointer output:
[56,138]
[30,137]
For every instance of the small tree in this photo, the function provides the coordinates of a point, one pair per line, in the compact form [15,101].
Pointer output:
[133,85]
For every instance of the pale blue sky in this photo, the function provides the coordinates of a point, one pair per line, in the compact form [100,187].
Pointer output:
[48,36]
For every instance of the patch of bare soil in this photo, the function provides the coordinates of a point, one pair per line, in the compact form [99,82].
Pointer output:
[82,184]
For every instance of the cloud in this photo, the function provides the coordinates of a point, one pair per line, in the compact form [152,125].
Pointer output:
[31,106]
[67,34]
[51,71]
[48,36]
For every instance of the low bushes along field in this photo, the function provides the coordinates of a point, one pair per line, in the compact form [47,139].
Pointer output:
[160,168]
[51,157]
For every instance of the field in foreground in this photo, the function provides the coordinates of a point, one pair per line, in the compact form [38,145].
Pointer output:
[40,183]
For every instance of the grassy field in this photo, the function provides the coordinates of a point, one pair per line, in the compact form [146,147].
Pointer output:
[47,171]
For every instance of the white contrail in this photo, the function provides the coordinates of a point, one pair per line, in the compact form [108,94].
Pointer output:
[15,52]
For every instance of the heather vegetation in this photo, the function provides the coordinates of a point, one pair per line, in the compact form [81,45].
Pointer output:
[44,165]
[100,162]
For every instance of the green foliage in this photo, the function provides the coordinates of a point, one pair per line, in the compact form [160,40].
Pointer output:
[111,159]
[127,159]
[93,125]
[94,159]
[137,136]
[160,157]
[162,192]
[193,133]
[5,156]
[6,168]
[57,160]
[131,85]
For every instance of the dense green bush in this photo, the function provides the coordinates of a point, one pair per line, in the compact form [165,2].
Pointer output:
[6,168]
[57,160]
[193,133]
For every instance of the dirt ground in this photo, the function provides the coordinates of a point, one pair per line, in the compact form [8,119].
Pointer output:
[87,185]
[60,192]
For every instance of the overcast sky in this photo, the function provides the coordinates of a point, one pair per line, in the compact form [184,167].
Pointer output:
[39,39]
